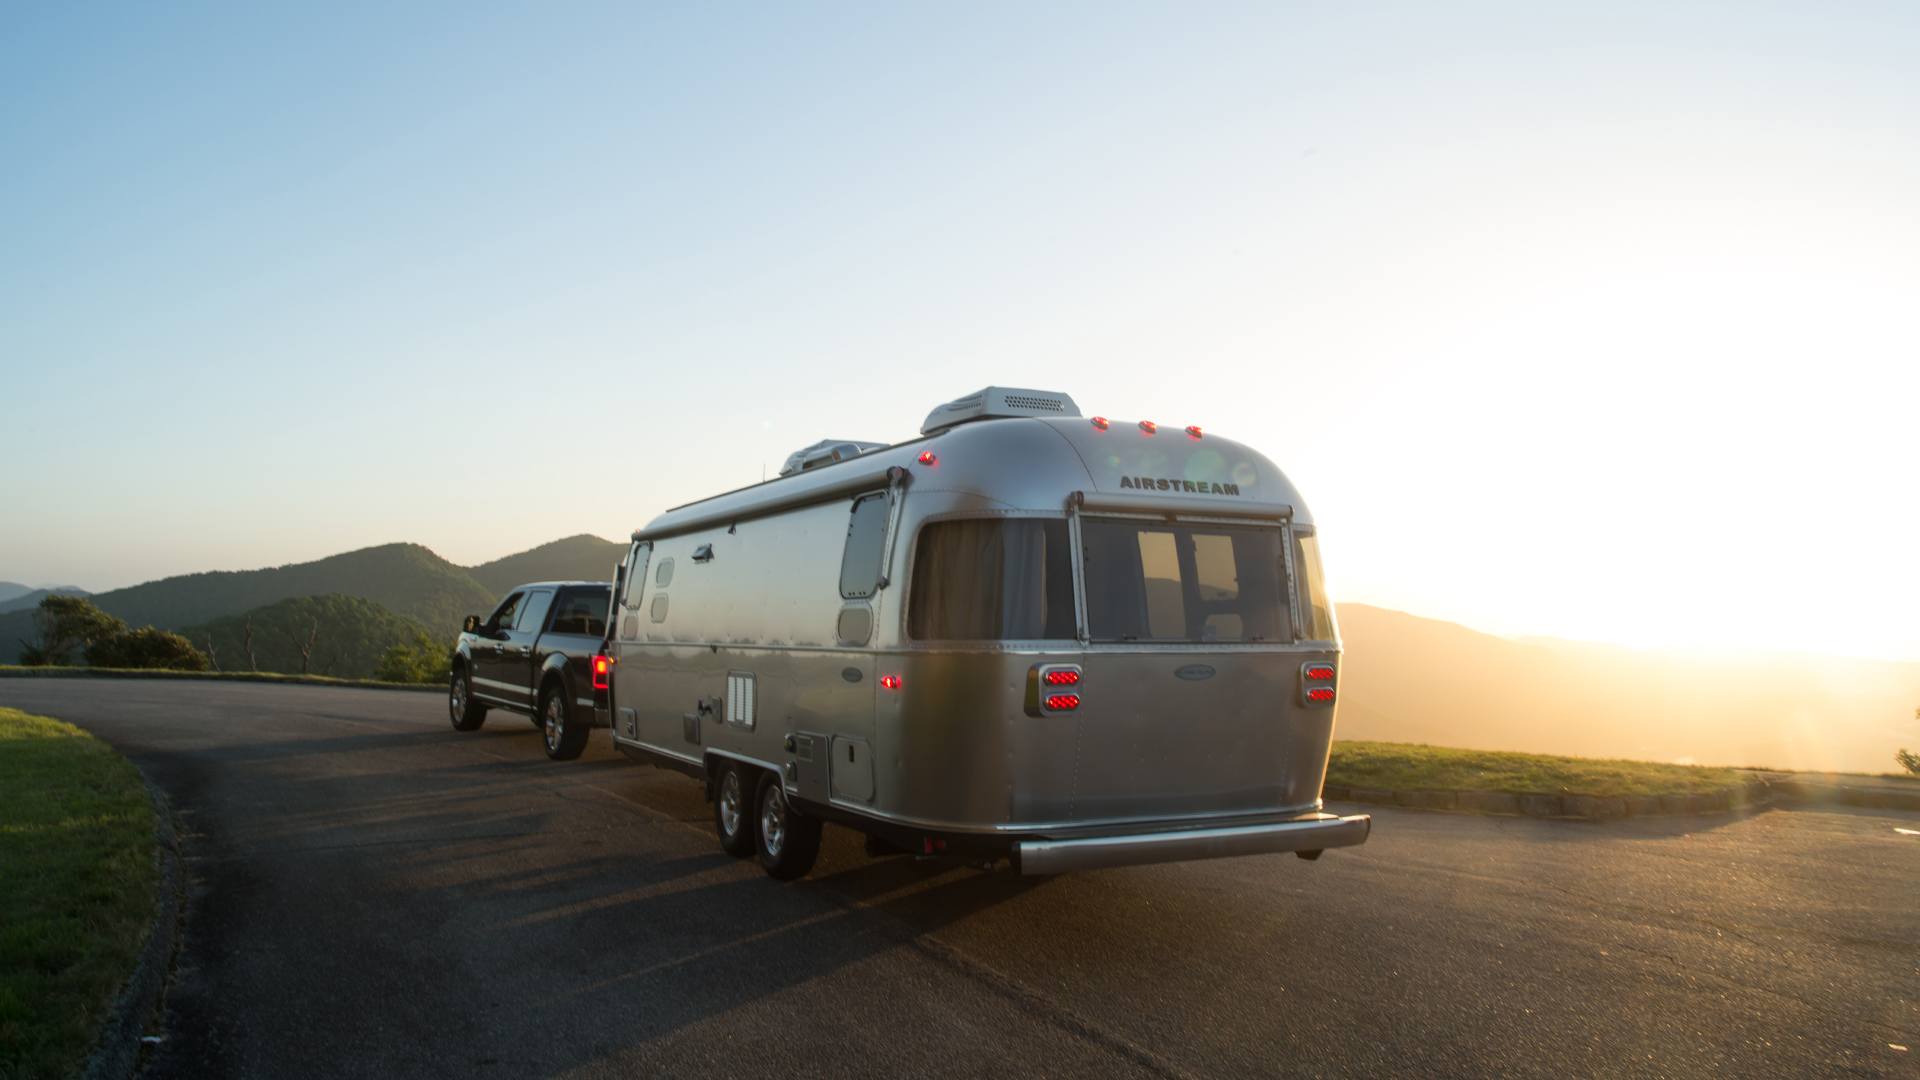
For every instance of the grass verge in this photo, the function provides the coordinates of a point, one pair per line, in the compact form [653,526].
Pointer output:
[1418,767]
[77,882]
[16,671]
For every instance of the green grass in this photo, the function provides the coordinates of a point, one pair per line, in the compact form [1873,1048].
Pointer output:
[77,882]
[1417,767]
[16,671]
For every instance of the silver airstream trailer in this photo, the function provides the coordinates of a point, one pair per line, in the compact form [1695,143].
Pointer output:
[1029,635]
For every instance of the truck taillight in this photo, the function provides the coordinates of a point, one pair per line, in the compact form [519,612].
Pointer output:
[602,667]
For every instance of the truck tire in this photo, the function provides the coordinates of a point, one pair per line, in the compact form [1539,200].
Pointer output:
[466,713]
[788,842]
[564,734]
[733,816]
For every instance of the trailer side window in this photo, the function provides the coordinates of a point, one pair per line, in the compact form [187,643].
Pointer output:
[1316,613]
[1148,581]
[866,539]
[992,580]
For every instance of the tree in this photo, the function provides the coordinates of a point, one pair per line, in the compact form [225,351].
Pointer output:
[246,645]
[147,647]
[306,647]
[421,660]
[68,625]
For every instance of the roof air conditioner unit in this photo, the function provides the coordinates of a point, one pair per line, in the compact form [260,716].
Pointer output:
[997,403]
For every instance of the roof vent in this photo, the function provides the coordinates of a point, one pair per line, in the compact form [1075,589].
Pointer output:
[826,452]
[996,403]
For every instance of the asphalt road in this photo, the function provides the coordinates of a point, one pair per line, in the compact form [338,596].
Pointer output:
[375,894]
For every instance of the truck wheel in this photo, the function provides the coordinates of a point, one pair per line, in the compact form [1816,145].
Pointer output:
[565,737]
[733,810]
[466,714]
[789,841]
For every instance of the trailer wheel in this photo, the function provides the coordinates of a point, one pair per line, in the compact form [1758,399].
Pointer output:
[733,816]
[466,714]
[789,842]
[564,736]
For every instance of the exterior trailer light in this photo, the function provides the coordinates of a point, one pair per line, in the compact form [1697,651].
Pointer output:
[1100,423]
[1063,702]
[1193,431]
[889,682]
[927,458]
[1149,426]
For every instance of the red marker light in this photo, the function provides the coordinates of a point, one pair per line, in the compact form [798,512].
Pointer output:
[1320,695]
[1063,678]
[927,458]
[1193,431]
[602,666]
[1100,423]
[1063,702]
[889,682]
[1318,672]
[1149,426]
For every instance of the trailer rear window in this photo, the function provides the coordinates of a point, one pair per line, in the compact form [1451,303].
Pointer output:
[1003,579]
[1184,583]
[1316,611]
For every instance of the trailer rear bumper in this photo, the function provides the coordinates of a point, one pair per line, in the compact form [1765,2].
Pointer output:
[1316,833]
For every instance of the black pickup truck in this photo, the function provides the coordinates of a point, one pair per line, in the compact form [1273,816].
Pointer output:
[534,656]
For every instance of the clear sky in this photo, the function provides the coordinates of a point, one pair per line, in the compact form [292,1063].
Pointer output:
[1603,323]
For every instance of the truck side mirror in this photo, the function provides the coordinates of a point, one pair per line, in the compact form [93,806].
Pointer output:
[472,624]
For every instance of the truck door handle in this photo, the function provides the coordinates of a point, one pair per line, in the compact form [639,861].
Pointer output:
[526,650]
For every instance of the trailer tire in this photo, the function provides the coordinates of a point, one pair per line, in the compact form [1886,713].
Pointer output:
[733,792]
[465,713]
[787,841]
[563,735]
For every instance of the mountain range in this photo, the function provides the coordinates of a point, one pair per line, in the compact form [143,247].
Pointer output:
[1403,678]
[405,580]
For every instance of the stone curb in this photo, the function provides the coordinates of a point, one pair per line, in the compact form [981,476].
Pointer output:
[1801,792]
[117,1054]
[1565,805]
[12,671]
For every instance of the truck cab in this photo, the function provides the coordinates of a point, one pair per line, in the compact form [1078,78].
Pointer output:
[533,656]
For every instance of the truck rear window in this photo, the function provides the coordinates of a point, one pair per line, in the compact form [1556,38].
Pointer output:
[1185,583]
[581,611]
[1000,579]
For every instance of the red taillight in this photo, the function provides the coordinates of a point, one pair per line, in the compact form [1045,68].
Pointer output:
[602,667]
[889,682]
[1149,426]
[1318,672]
[927,458]
[1063,702]
[1320,695]
[1193,431]
[1099,423]
[1063,677]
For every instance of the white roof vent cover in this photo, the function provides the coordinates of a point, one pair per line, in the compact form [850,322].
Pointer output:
[827,452]
[999,402]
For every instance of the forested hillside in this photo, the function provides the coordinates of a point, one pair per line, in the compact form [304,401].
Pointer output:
[577,558]
[343,636]
[406,580]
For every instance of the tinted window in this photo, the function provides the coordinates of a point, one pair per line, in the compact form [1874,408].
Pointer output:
[992,580]
[581,611]
[1316,612]
[503,615]
[533,612]
[1188,583]
[866,536]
